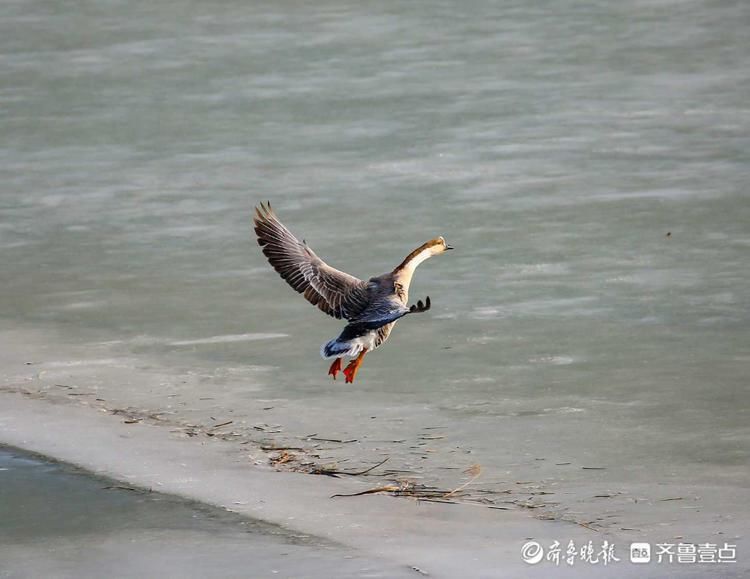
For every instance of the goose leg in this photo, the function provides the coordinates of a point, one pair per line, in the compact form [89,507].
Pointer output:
[335,368]
[351,370]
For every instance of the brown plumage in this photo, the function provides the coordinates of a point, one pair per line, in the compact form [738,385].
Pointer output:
[371,307]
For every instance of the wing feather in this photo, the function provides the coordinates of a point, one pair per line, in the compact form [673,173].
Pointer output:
[381,315]
[336,293]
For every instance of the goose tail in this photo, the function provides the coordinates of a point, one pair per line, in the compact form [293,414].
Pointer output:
[337,348]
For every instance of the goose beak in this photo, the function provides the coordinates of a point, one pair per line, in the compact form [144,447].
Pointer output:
[447,247]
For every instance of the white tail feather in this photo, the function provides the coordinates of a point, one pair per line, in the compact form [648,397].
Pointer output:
[336,349]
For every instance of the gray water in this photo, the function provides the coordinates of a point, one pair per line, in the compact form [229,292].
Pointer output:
[56,521]
[589,161]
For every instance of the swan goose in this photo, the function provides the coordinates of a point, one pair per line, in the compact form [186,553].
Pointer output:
[370,307]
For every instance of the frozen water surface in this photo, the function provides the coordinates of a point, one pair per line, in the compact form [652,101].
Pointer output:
[589,163]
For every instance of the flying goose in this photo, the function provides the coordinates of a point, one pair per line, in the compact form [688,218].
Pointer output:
[371,307]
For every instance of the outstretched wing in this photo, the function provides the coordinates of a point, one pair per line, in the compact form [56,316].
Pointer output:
[378,319]
[378,314]
[336,293]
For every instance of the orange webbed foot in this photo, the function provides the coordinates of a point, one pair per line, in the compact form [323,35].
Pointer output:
[335,368]
[351,370]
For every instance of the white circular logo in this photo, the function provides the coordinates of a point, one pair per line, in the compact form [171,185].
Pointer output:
[532,552]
